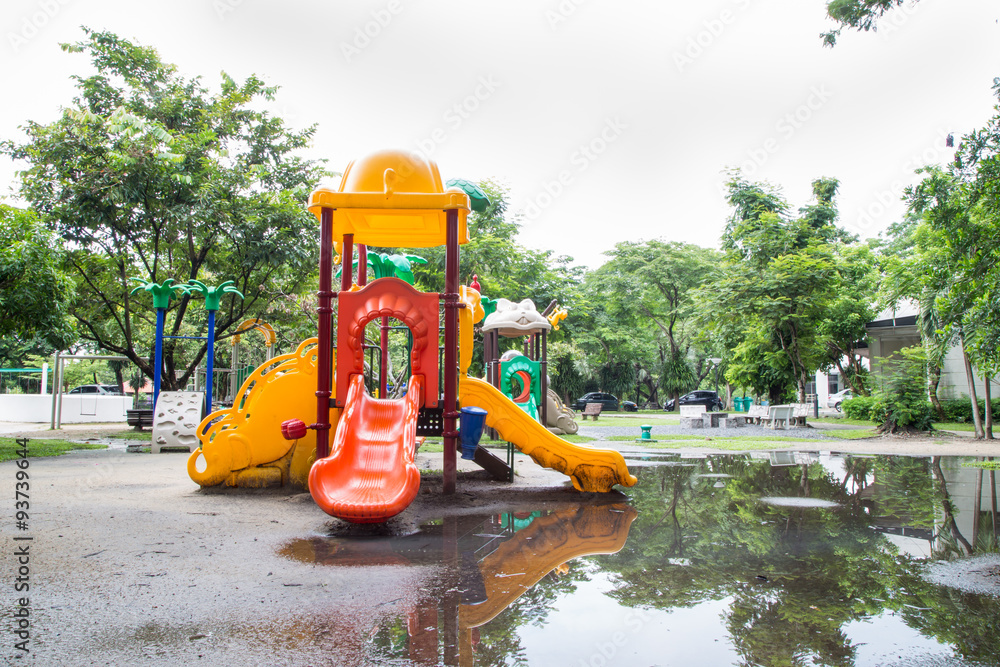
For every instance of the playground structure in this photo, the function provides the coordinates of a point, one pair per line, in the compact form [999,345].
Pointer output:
[517,320]
[389,199]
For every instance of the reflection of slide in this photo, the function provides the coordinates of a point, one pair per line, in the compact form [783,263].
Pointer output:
[590,469]
[370,475]
[520,562]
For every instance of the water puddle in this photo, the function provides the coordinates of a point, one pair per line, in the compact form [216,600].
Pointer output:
[722,560]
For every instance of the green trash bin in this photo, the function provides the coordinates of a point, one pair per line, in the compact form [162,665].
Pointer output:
[747,402]
[737,404]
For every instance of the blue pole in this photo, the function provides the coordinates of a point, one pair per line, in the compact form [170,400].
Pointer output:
[209,365]
[158,360]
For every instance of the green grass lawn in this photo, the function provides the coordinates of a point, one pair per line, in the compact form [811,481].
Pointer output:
[955,426]
[733,444]
[756,442]
[38,448]
[843,421]
[854,434]
[132,435]
[746,438]
[437,446]
[608,420]
[987,465]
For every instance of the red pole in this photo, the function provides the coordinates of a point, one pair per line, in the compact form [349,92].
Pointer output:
[362,265]
[450,408]
[324,313]
[347,258]
[383,371]
[543,370]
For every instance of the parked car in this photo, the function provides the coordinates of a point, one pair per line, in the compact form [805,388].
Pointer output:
[709,399]
[608,402]
[837,399]
[629,406]
[96,390]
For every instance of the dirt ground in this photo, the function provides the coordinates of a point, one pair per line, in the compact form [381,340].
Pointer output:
[131,563]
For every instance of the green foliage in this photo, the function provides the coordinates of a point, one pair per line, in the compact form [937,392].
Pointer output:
[35,292]
[856,14]
[638,309]
[959,410]
[568,370]
[859,407]
[793,293]
[149,173]
[900,404]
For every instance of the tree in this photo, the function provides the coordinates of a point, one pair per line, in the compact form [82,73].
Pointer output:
[952,267]
[646,290]
[780,287]
[34,291]
[147,173]
[856,14]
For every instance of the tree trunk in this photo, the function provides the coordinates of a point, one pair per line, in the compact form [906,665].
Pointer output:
[946,507]
[932,386]
[977,505]
[988,419]
[971,378]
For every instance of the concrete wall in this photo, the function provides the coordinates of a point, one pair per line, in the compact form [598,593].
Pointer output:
[954,383]
[77,409]
[884,342]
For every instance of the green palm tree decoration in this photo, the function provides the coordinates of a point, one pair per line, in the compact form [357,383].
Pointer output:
[213,295]
[161,299]
[392,266]
[161,292]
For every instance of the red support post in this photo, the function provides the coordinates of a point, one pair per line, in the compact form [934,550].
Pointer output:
[450,408]
[383,371]
[347,265]
[543,371]
[362,265]
[324,312]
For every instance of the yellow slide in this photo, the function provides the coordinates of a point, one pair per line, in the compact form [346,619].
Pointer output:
[590,469]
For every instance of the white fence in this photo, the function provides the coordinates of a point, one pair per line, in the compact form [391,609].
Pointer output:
[76,409]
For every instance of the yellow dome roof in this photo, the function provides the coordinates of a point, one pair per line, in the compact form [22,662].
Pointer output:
[393,199]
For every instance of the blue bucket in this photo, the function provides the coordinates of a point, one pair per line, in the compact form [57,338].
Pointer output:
[471,424]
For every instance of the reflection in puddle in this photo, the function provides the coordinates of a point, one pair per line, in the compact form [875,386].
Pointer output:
[724,560]
[799,502]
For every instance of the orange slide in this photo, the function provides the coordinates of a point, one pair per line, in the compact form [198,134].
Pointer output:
[370,475]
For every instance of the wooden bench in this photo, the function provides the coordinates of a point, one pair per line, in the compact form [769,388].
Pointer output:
[592,410]
[139,419]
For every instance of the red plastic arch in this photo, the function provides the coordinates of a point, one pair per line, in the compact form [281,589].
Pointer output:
[388,297]
[525,386]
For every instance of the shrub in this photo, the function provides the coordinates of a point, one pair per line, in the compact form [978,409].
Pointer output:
[901,403]
[859,407]
[960,409]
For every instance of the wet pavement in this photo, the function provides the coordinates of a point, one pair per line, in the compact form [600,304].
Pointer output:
[767,558]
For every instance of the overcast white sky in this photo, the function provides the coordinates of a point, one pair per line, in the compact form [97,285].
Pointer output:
[609,121]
